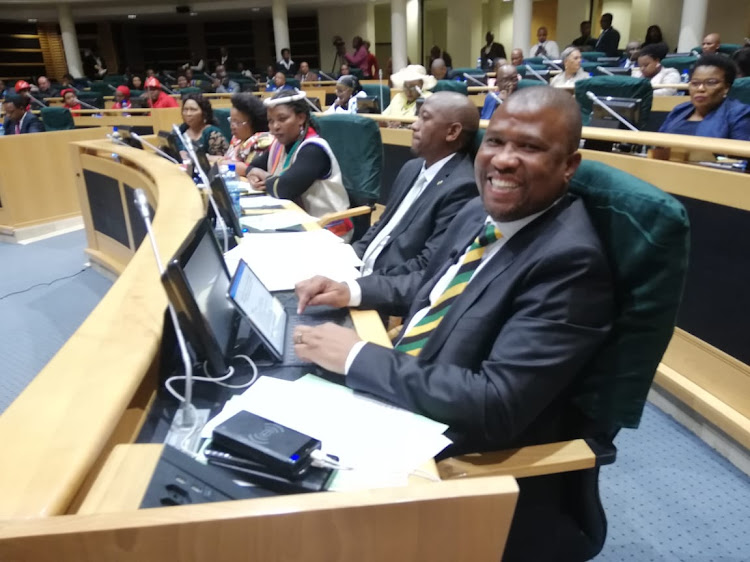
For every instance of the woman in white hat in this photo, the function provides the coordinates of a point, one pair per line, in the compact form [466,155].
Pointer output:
[414,83]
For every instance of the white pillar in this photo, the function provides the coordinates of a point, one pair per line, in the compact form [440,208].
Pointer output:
[413,32]
[280,27]
[521,25]
[70,40]
[692,24]
[398,34]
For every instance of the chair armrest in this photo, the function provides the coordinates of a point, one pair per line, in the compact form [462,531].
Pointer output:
[353,212]
[535,460]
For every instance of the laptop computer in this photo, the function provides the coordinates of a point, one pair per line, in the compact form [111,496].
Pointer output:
[273,319]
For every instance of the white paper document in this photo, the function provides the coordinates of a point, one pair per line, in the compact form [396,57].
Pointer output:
[381,443]
[261,201]
[277,220]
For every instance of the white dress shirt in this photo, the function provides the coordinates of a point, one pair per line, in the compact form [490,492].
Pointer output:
[507,229]
[664,76]
[553,51]
[420,184]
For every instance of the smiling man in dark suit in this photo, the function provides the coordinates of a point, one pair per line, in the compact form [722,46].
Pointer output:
[501,322]
[428,191]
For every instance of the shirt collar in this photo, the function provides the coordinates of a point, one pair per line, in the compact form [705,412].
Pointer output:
[508,229]
[434,170]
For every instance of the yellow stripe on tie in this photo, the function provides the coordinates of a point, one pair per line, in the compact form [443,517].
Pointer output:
[414,352]
[450,293]
[417,330]
[474,255]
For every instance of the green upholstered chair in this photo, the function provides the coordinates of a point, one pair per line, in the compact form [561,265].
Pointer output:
[452,86]
[458,73]
[57,119]
[356,142]
[535,60]
[528,83]
[590,67]
[374,91]
[293,82]
[726,48]
[101,87]
[645,233]
[356,72]
[222,119]
[740,90]
[115,79]
[616,86]
[523,70]
[680,63]
[592,56]
[187,90]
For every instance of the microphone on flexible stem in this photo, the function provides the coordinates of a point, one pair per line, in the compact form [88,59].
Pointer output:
[594,98]
[87,105]
[470,77]
[605,71]
[326,76]
[186,416]
[311,104]
[489,92]
[36,101]
[172,92]
[117,140]
[534,73]
[111,87]
[380,83]
[206,185]
[155,148]
[550,62]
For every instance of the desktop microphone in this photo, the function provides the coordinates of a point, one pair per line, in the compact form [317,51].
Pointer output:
[206,184]
[320,72]
[470,77]
[87,105]
[605,71]
[117,140]
[36,101]
[155,148]
[186,417]
[594,98]
[311,104]
[550,62]
[111,87]
[694,53]
[534,73]
[380,83]
[172,92]
[489,92]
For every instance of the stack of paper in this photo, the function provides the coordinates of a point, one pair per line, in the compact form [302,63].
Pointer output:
[281,260]
[381,444]
[277,220]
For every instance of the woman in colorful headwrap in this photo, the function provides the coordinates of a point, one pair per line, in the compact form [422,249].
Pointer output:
[250,136]
[299,165]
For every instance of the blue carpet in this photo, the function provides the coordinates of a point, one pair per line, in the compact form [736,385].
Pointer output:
[38,320]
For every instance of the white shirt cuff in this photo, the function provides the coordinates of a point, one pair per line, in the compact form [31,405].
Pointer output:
[355,293]
[353,352]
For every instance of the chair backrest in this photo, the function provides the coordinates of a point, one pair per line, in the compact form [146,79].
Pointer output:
[452,86]
[57,119]
[115,79]
[726,48]
[356,142]
[222,120]
[528,83]
[740,90]
[616,86]
[92,98]
[645,233]
[592,55]
[187,90]
[534,60]
[293,82]
[458,73]
[101,87]
[373,91]
[680,63]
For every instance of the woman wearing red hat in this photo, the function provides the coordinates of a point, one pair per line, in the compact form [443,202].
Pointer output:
[156,97]
[70,101]
[122,98]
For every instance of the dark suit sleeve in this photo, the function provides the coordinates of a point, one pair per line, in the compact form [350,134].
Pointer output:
[36,126]
[555,325]
[390,294]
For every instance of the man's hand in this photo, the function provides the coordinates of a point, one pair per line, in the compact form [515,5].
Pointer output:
[321,290]
[327,345]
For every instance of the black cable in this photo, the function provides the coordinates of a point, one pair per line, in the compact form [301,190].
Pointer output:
[43,284]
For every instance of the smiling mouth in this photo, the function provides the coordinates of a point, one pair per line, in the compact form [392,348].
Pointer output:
[502,186]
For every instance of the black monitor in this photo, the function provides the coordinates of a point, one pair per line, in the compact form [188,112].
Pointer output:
[368,105]
[197,282]
[224,203]
[628,108]
[171,146]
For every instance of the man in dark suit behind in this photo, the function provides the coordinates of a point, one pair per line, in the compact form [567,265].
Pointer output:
[501,322]
[609,38]
[428,191]
[18,121]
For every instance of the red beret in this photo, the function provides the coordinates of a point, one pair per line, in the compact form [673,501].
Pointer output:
[22,85]
[124,90]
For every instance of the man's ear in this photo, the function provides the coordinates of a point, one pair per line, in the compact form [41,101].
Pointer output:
[573,161]
[454,132]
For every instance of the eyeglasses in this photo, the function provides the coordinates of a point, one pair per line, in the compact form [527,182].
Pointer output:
[710,83]
[236,123]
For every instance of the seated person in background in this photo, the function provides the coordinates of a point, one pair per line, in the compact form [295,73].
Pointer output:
[199,126]
[246,72]
[67,81]
[497,63]
[182,82]
[151,73]
[18,121]
[4,90]
[572,71]
[585,42]
[437,53]
[428,191]
[649,66]
[506,80]
[741,58]
[711,44]
[299,165]
[347,92]
[516,57]
[304,74]
[270,74]
[414,82]
[439,69]
[654,37]
[195,64]
[344,70]
[46,90]
[223,84]
[629,57]
[709,113]
[278,83]
[136,83]
[544,48]
[372,63]
[71,101]
[190,75]
[250,135]
[156,97]
[500,324]
[285,64]
[122,98]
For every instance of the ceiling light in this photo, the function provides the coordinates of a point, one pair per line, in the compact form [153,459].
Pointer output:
[193,13]
[255,9]
[32,20]
[132,16]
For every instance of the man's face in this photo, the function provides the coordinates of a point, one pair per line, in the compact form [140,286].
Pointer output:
[605,22]
[14,112]
[523,164]
[632,49]
[516,57]
[585,29]
[649,66]
[221,72]
[153,93]
[439,71]
[410,90]
[507,78]
[43,83]
[182,82]
[286,55]
[279,79]
[711,43]
[429,131]
[150,72]
[344,70]
[541,34]
[304,68]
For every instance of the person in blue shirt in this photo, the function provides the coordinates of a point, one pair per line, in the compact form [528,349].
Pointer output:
[710,113]
[279,83]
[507,81]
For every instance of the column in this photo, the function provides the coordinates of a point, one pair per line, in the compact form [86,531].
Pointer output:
[692,24]
[413,35]
[465,33]
[522,25]
[398,34]
[70,40]
[280,27]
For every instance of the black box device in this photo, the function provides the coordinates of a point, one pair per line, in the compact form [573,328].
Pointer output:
[283,450]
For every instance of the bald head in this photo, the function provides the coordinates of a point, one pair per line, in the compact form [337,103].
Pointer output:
[506,78]
[711,43]
[456,108]
[516,57]
[447,122]
[438,69]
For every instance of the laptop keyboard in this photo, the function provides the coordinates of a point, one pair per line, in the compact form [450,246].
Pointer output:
[320,315]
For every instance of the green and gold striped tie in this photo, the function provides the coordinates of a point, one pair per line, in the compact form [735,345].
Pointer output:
[415,339]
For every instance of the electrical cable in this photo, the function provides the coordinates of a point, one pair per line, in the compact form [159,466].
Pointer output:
[216,380]
[47,284]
